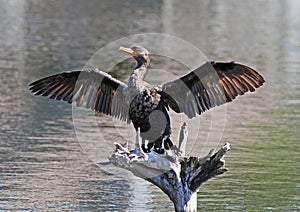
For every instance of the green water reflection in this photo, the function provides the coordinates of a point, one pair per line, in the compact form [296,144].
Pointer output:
[42,165]
[264,175]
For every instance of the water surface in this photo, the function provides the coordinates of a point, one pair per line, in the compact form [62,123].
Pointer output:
[42,164]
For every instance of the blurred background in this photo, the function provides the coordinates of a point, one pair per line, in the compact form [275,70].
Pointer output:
[42,165]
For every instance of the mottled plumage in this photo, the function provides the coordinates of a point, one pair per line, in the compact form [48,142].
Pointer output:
[210,85]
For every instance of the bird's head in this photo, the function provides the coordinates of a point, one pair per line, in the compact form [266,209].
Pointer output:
[140,54]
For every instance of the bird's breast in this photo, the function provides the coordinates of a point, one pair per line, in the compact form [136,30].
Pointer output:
[143,103]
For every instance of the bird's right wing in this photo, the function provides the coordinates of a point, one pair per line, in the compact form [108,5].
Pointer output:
[90,88]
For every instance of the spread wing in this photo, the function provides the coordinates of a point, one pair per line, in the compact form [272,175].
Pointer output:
[210,85]
[90,88]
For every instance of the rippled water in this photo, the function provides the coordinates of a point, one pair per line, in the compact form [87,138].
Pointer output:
[42,164]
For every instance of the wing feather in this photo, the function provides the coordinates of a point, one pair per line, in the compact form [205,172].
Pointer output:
[90,88]
[210,85]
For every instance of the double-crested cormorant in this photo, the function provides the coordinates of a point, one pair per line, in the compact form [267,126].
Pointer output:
[210,85]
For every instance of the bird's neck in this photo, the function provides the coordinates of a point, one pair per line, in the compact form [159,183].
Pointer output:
[137,76]
[142,63]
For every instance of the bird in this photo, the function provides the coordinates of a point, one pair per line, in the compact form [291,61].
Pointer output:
[145,105]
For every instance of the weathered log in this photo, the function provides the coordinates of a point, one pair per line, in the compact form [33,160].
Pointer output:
[176,175]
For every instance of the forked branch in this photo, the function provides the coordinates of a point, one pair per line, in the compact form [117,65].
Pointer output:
[176,175]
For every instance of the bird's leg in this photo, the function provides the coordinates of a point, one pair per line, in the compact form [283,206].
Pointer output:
[159,145]
[150,146]
[138,148]
[162,146]
[167,143]
[144,145]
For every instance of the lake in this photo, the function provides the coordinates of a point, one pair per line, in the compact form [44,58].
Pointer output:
[48,164]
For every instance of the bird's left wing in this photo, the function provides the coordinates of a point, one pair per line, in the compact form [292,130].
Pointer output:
[210,85]
[90,88]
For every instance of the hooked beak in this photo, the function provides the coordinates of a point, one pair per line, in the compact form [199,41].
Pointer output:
[129,51]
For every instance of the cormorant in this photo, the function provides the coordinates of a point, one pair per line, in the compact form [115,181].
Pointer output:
[210,85]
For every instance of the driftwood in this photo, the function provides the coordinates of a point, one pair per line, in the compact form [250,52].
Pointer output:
[176,175]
